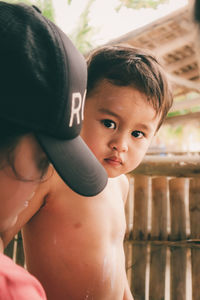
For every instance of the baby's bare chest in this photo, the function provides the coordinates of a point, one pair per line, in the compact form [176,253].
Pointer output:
[97,219]
[102,219]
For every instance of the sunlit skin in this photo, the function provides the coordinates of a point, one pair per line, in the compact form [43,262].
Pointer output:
[74,244]
[16,193]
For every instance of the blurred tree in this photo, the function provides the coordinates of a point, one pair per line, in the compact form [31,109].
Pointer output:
[47,9]
[137,4]
[46,6]
[83,33]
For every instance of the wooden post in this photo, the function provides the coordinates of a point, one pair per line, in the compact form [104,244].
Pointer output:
[178,273]
[195,262]
[141,194]
[178,232]
[194,209]
[159,208]
[177,209]
[157,272]
[138,270]
[128,260]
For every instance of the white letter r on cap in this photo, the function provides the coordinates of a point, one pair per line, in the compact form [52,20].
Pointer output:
[75,109]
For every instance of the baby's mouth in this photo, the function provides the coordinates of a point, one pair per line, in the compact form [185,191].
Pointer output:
[114,160]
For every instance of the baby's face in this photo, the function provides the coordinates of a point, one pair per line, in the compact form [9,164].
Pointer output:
[118,126]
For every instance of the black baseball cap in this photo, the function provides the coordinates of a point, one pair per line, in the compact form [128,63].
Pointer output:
[42,88]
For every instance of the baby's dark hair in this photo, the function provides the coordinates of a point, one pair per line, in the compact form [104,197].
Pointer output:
[124,65]
[197,11]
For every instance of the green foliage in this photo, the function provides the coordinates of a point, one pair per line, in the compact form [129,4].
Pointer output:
[178,131]
[137,4]
[184,111]
[47,9]
[46,6]
[83,33]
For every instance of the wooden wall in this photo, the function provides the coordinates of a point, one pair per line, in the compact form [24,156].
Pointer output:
[162,243]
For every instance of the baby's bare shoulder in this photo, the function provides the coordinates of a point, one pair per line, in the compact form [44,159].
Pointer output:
[124,184]
[121,184]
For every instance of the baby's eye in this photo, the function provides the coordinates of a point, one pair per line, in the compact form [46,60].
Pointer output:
[109,124]
[137,134]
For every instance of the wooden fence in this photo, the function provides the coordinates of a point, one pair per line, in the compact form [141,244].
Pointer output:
[162,244]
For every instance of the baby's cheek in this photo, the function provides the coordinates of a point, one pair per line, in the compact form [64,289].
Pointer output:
[94,148]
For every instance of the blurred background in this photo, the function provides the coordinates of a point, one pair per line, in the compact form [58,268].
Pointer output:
[164,27]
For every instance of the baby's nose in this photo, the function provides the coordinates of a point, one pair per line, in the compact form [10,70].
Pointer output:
[119,145]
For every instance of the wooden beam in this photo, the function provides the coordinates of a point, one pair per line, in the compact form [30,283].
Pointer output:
[174,45]
[189,74]
[185,104]
[180,63]
[194,86]
[172,166]
[149,27]
[182,119]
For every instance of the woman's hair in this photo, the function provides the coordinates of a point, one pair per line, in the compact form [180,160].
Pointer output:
[10,136]
[124,65]
[197,11]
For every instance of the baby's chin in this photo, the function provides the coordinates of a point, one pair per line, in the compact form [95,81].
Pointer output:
[114,174]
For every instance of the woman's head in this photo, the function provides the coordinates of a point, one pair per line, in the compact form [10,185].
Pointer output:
[23,165]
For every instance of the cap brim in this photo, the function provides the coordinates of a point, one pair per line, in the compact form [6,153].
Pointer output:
[76,164]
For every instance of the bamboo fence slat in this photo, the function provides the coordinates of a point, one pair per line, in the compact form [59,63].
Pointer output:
[177,209]
[157,271]
[159,208]
[195,261]
[194,207]
[141,193]
[138,271]
[178,273]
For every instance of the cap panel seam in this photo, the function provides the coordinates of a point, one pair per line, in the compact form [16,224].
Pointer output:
[64,70]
